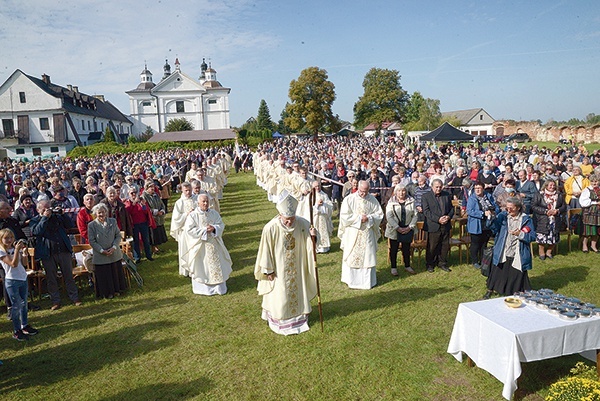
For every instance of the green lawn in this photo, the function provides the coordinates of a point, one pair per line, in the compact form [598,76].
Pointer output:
[164,343]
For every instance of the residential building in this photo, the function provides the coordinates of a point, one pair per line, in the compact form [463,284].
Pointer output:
[43,119]
[473,121]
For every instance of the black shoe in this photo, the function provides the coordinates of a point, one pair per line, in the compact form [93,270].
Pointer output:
[584,250]
[550,256]
[542,257]
[136,261]
[487,295]
[150,259]
[20,336]
[33,307]
[445,268]
[30,331]
[430,269]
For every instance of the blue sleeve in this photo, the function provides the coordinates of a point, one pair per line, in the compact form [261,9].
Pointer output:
[473,209]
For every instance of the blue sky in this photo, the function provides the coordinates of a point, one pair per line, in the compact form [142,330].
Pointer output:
[518,60]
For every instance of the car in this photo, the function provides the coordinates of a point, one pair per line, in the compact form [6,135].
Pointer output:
[498,139]
[518,137]
[483,138]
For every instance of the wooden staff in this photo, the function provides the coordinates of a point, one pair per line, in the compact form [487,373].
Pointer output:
[311,200]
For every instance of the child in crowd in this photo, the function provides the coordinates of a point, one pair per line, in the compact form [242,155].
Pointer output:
[11,258]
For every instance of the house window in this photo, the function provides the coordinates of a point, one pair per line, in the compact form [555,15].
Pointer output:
[89,126]
[37,151]
[53,149]
[8,126]
[102,126]
[44,124]
[481,117]
[180,106]
[83,125]
[146,104]
[20,151]
[212,101]
[22,98]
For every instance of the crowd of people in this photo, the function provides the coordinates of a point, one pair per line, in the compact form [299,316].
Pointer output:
[516,194]
[48,206]
[379,186]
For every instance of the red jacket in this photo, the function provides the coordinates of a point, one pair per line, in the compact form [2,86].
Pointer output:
[83,218]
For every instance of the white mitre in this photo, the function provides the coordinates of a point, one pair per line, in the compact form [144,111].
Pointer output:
[287,204]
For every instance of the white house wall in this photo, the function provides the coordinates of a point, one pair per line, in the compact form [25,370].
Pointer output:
[35,98]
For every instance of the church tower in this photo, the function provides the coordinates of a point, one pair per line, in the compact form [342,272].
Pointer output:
[203,68]
[166,69]
[145,75]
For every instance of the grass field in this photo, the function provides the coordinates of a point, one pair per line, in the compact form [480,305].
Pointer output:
[164,343]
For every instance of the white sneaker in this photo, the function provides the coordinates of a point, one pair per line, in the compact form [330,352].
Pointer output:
[394,272]
[409,269]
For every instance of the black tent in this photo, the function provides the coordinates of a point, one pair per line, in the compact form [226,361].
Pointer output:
[447,133]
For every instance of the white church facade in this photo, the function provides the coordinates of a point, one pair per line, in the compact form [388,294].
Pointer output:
[203,102]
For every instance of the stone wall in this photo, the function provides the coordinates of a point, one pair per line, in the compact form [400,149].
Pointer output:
[544,133]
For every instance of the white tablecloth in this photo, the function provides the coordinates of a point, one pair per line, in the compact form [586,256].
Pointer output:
[498,338]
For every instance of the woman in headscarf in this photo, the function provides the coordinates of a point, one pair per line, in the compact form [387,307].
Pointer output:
[512,252]
[159,235]
[590,202]
[548,209]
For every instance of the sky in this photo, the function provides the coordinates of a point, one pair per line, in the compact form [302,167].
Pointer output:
[520,60]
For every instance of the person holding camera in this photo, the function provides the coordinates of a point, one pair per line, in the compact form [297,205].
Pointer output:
[12,256]
[481,209]
[53,249]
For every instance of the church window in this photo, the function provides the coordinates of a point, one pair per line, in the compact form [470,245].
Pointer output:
[146,104]
[83,125]
[180,106]
[89,126]
[53,149]
[20,151]
[37,151]
[22,98]
[212,101]
[44,124]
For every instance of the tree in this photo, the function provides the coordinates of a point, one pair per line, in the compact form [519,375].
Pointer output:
[263,119]
[383,99]
[109,136]
[425,114]
[179,124]
[311,98]
[281,126]
[412,107]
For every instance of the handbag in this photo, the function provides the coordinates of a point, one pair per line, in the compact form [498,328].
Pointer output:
[486,260]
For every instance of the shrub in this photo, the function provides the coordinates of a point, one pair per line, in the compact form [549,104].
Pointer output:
[574,389]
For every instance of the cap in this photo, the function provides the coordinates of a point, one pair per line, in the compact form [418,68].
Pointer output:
[287,204]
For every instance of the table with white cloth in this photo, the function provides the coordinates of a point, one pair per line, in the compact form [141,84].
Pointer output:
[498,338]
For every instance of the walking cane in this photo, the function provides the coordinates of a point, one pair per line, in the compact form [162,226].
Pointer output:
[311,200]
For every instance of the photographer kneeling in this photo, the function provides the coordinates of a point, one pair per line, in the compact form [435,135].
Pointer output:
[53,249]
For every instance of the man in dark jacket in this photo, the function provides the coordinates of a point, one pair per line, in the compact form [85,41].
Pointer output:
[53,249]
[438,212]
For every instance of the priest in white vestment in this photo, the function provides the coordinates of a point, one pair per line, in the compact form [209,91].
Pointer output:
[285,270]
[205,258]
[360,217]
[182,208]
[322,212]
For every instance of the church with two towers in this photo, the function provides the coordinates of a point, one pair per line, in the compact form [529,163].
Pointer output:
[203,102]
